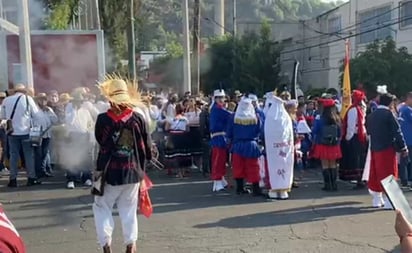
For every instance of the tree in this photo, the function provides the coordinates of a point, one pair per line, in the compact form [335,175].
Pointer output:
[383,64]
[255,58]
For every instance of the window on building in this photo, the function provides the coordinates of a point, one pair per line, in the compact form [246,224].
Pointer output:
[405,13]
[372,22]
[334,24]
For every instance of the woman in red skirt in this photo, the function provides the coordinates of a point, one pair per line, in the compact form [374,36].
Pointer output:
[326,135]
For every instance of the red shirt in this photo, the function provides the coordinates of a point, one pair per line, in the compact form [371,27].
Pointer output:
[10,240]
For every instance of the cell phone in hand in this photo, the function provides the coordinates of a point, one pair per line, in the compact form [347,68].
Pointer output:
[396,196]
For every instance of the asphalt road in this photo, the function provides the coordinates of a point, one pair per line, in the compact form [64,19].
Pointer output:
[188,218]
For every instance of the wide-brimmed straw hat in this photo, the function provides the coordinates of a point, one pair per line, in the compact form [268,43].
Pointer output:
[119,92]
[3,94]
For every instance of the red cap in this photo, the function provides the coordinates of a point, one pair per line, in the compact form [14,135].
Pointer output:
[327,102]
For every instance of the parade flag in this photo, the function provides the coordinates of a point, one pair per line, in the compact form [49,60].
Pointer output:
[346,87]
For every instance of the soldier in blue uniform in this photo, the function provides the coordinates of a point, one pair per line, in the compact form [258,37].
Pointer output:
[219,118]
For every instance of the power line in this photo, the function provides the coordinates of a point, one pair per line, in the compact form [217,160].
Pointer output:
[344,29]
[347,37]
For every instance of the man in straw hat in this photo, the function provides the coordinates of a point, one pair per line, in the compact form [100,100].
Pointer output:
[45,120]
[124,146]
[20,109]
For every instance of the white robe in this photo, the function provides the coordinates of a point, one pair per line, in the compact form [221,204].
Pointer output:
[279,145]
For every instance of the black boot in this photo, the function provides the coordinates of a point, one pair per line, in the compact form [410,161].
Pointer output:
[334,178]
[240,189]
[326,180]
[256,190]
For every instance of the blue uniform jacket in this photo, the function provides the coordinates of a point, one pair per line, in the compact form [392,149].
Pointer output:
[244,139]
[405,120]
[218,120]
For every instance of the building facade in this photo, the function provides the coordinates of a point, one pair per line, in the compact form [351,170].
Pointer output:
[319,43]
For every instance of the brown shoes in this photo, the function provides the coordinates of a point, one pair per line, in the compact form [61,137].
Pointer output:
[131,248]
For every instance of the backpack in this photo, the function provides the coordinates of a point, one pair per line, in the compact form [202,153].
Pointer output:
[329,135]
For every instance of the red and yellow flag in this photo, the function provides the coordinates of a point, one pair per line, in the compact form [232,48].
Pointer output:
[346,87]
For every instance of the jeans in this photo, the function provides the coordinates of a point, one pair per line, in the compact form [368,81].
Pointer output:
[405,168]
[42,158]
[17,143]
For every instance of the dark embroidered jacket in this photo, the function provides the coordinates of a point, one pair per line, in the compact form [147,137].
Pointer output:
[111,135]
[384,130]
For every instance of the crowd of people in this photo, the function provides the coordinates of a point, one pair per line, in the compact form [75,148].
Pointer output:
[266,142]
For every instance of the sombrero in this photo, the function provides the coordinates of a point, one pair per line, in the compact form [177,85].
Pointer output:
[119,92]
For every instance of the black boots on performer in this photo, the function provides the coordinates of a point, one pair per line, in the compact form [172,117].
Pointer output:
[329,178]
[240,188]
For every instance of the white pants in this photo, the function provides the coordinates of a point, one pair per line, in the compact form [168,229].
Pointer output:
[126,198]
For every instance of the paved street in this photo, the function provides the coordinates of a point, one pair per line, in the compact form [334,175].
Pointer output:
[190,219]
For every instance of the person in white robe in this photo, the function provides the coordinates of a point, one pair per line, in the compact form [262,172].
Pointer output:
[279,146]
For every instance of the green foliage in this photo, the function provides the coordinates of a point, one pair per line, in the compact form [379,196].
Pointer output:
[256,63]
[60,15]
[383,64]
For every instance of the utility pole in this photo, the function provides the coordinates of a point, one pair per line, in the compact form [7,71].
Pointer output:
[234,76]
[196,49]
[132,43]
[234,18]
[219,17]
[97,17]
[25,44]
[186,48]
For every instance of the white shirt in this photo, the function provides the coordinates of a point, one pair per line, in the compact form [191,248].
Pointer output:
[193,117]
[178,124]
[171,111]
[78,120]
[102,106]
[26,111]
[46,119]
[154,112]
[352,127]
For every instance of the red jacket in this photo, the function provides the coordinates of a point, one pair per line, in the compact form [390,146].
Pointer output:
[10,240]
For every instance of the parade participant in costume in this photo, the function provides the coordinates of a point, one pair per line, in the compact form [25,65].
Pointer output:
[243,133]
[354,145]
[10,240]
[386,139]
[326,131]
[218,119]
[177,150]
[279,147]
[124,147]
[310,112]
[291,107]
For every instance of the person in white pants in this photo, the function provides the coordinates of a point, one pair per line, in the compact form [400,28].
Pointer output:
[125,144]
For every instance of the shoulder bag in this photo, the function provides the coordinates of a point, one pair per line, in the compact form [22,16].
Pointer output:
[9,123]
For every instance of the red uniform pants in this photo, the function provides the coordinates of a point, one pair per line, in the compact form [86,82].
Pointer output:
[219,158]
[247,168]
[383,164]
